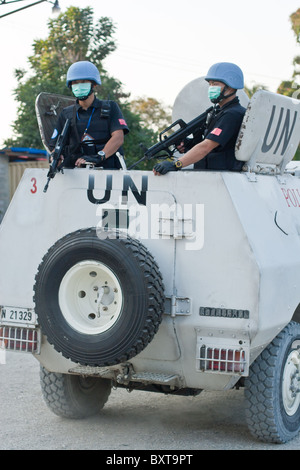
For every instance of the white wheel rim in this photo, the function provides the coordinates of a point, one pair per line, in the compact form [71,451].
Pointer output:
[90,297]
[291,384]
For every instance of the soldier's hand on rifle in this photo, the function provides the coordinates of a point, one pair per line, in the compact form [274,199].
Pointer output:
[181,147]
[95,159]
[59,161]
[80,161]
[164,167]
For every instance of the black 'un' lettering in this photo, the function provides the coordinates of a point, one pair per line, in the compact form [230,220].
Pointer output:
[286,132]
[127,184]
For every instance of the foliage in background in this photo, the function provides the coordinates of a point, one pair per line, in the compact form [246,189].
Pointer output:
[292,87]
[152,113]
[73,36]
[250,91]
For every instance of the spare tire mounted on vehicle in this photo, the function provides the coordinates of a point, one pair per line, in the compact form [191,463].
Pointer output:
[99,300]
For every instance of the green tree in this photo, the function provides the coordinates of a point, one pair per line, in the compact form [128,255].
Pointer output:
[292,87]
[250,91]
[72,36]
[288,87]
[153,114]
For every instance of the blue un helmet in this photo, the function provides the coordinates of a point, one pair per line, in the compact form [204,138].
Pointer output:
[83,70]
[227,73]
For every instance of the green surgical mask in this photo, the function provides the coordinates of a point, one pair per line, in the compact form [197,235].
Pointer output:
[81,90]
[214,93]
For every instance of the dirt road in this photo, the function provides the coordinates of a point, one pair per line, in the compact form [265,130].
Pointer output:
[129,421]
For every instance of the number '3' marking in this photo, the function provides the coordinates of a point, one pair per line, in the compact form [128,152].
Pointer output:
[34,186]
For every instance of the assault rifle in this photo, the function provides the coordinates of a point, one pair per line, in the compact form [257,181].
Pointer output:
[169,143]
[57,153]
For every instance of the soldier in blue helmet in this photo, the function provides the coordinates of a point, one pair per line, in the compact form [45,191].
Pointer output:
[97,127]
[214,150]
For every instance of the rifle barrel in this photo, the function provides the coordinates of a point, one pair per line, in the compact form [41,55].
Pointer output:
[59,147]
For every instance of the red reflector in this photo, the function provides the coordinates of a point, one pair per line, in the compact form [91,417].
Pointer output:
[225,360]
[19,339]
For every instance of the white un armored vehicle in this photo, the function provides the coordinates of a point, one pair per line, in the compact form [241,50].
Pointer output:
[172,284]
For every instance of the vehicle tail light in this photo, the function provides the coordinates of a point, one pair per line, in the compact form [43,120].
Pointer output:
[222,360]
[19,339]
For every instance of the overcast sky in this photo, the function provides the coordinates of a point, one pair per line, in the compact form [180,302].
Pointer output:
[164,44]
